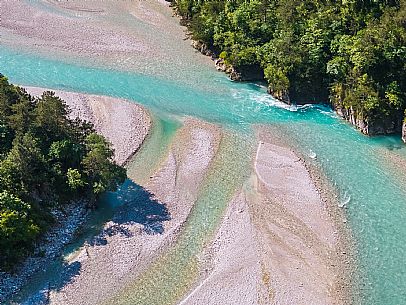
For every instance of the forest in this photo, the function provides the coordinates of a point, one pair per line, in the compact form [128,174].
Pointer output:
[46,161]
[349,53]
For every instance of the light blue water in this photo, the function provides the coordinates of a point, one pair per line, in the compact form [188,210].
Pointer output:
[171,276]
[353,162]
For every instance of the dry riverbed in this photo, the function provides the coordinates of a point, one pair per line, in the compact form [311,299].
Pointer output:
[281,240]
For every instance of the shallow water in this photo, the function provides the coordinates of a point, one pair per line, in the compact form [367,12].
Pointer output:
[172,275]
[152,152]
[370,185]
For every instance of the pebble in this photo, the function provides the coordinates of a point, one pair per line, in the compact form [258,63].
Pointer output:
[52,244]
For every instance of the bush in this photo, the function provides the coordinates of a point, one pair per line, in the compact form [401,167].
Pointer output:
[18,229]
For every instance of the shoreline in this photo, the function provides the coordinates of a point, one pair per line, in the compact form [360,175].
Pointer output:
[71,219]
[346,262]
[241,264]
[125,124]
[346,245]
[238,75]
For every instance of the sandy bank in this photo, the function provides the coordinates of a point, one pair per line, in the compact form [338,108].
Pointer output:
[278,243]
[145,225]
[123,123]
[298,238]
[232,268]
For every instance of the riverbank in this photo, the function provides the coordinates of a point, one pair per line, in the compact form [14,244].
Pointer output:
[382,120]
[50,248]
[142,228]
[125,125]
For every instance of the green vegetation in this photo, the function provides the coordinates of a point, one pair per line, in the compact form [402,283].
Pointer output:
[46,161]
[349,52]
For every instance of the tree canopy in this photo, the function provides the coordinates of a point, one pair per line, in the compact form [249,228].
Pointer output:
[351,53]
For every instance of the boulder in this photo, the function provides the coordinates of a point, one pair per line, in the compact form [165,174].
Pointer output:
[247,73]
[202,47]
[377,126]
[282,96]
[220,65]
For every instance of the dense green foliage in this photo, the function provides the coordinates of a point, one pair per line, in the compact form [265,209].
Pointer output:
[46,160]
[351,52]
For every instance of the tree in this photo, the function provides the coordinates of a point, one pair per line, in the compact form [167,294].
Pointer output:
[103,174]
[18,230]
[75,179]
[6,138]
[51,118]
[29,162]
[21,117]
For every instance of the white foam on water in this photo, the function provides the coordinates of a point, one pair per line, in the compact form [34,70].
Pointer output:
[271,101]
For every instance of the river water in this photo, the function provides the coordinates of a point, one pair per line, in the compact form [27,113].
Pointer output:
[371,184]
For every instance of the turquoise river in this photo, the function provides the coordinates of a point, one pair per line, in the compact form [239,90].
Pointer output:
[367,172]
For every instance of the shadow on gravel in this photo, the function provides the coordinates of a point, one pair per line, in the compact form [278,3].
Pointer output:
[65,275]
[134,205]
[131,204]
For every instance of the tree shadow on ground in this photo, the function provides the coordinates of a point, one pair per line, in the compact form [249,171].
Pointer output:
[65,273]
[141,206]
[131,204]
